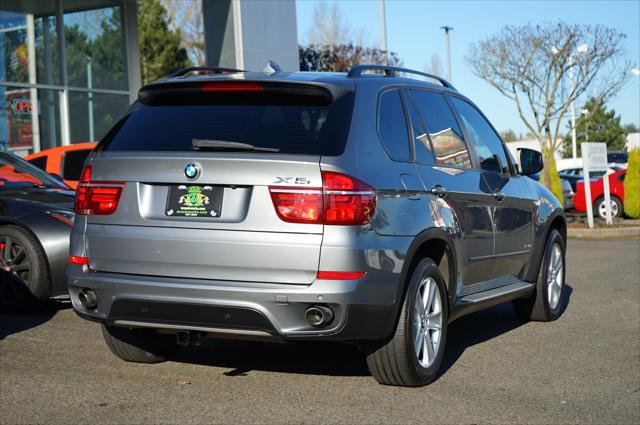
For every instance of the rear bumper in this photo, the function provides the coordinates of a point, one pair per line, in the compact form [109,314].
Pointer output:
[363,309]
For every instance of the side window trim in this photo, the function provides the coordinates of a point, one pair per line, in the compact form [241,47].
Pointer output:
[408,98]
[406,123]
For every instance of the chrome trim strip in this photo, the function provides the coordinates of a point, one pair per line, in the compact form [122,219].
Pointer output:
[506,254]
[132,323]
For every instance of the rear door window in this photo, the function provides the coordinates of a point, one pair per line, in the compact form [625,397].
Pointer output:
[488,146]
[73,163]
[392,126]
[449,146]
[290,128]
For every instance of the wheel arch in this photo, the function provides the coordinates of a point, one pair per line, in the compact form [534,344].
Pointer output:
[556,221]
[434,243]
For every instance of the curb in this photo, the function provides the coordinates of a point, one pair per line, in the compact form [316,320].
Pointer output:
[616,233]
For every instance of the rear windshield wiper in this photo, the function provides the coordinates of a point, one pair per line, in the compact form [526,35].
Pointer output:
[224,145]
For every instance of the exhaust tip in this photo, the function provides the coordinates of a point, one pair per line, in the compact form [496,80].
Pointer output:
[319,315]
[88,299]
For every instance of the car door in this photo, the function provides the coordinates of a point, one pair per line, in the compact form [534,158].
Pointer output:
[460,199]
[513,204]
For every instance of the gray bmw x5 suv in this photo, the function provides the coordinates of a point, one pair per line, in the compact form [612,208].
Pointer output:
[368,207]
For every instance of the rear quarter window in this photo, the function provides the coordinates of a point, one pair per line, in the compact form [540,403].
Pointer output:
[392,126]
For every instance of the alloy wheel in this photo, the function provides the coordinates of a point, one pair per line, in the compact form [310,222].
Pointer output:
[427,322]
[14,258]
[555,276]
[602,209]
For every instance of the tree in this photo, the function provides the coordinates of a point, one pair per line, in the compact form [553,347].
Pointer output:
[329,26]
[531,65]
[632,185]
[509,136]
[341,58]
[599,125]
[186,15]
[160,51]
[631,128]
[435,66]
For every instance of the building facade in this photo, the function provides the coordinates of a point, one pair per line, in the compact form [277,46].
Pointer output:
[70,68]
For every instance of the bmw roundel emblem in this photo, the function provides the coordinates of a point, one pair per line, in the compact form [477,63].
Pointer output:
[192,170]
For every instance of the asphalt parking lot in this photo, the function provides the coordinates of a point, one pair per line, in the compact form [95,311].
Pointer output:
[583,368]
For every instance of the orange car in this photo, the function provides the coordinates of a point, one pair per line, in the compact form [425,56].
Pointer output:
[63,161]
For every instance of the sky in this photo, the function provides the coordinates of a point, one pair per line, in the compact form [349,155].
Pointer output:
[413,32]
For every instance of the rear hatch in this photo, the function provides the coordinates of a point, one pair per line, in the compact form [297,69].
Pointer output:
[222,224]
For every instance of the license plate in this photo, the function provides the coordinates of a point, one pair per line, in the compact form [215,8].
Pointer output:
[194,201]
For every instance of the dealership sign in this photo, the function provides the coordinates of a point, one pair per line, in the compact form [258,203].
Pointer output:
[20,106]
[594,158]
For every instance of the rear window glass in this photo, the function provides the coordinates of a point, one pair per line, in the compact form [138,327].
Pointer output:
[73,163]
[293,129]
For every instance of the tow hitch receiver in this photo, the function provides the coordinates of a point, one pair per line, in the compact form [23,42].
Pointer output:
[190,337]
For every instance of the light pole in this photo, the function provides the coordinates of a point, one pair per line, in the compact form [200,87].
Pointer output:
[446,29]
[383,32]
[585,112]
[583,48]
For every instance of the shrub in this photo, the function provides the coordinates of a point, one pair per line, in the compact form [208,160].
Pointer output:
[632,185]
[553,183]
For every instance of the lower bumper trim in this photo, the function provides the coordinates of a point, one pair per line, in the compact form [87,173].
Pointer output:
[225,331]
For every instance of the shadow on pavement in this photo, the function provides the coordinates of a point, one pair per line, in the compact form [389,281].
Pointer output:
[335,359]
[12,323]
[482,326]
[313,358]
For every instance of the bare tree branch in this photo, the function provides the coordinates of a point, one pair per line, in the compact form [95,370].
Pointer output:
[531,66]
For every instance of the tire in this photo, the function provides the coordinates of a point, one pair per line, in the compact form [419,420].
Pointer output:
[139,345]
[395,362]
[545,304]
[24,280]
[616,207]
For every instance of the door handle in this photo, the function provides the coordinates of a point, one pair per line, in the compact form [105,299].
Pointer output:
[498,195]
[440,191]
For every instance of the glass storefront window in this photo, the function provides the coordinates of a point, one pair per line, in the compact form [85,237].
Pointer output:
[94,46]
[17,112]
[29,39]
[92,114]
[40,96]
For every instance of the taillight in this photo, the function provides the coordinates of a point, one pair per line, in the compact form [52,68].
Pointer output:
[343,200]
[297,206]
[96,197]
[347,200]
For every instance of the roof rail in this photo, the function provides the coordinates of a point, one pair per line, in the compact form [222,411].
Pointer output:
[390,71]
[205,69]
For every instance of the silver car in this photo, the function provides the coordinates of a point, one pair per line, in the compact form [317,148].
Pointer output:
[366,206]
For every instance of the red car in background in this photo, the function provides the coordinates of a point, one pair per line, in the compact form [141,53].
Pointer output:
[65,162]
[616,187]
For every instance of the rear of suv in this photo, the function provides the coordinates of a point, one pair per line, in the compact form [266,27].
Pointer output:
[362,207]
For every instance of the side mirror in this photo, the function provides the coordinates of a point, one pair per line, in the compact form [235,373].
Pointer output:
[530,161]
